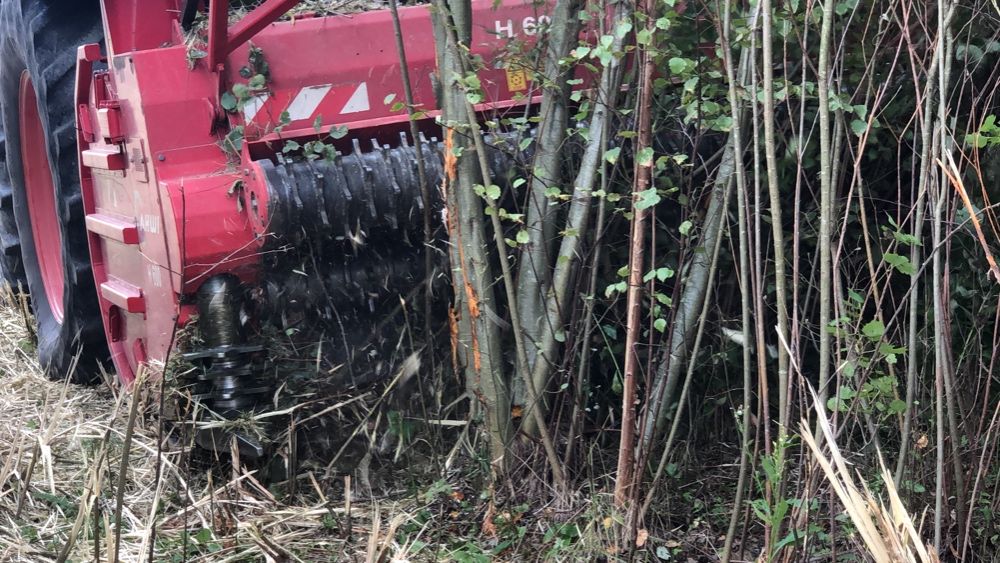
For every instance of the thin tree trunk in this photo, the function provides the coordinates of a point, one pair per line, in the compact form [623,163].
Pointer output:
[577,221]
[685,320]
[826,199]
[473,277]
[927,128]
[940,337]
[736,137]
[534,266]
[777,229]
[626,478]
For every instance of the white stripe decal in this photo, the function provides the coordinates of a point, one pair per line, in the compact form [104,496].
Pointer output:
[358,101]
[252,106]
[306,101]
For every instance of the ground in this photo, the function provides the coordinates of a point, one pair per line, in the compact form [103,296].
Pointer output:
[61,463]
[61,443]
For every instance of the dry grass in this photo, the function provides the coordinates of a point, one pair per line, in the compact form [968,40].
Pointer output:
[317,7]
[887,532]
[60,449]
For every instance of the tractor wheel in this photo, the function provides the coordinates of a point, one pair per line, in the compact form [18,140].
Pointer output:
[11,269]
[38,42]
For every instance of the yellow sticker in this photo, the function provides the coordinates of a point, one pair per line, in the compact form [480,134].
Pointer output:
[517,79]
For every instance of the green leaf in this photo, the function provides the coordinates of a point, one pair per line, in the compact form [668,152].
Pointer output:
[241,91]
[645,157]
[338,132]
[678,65]
[859,127]
[897,406]
[619,287]
[523,237]
[660,324]
[493,193]
[905,238]
[901,263]
[873,329]
[611,155]
[647,198]
[664,274]
[228,101]
[318,123]
[685,227]
[257,82]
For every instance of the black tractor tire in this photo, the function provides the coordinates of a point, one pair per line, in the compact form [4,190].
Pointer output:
[11,268]
[40,38]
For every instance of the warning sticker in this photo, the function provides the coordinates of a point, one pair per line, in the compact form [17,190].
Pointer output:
[517,79]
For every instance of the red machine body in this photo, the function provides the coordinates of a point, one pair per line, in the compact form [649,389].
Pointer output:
[166,206]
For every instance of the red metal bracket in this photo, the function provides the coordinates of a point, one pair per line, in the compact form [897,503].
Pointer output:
[112,228]
[222,40]
[123,295]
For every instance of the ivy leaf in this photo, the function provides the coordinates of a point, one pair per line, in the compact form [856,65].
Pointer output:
[611,155]
[660,324]
[522,237]
[685,227]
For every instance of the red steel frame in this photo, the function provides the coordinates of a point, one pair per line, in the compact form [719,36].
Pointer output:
[166,206]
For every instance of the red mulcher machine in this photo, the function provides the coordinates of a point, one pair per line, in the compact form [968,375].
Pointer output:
[154,172]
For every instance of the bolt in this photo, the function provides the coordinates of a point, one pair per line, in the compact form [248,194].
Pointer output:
[161,157]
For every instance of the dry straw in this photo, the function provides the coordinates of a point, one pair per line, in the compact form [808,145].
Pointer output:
[887,532]
[61,447]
